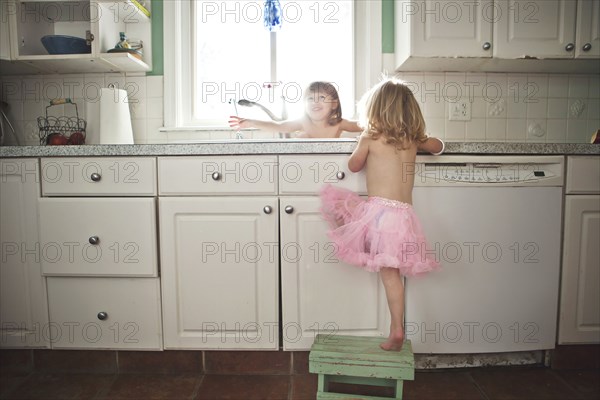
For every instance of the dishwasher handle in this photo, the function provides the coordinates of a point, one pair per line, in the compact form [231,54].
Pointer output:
[487,165]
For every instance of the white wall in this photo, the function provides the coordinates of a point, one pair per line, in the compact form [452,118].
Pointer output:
[508,107]
[28,97]
[546,108]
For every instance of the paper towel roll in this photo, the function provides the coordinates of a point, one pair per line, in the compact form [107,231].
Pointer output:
[108,118]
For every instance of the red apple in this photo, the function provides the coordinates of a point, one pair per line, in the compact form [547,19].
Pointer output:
[57,139]
[77,138]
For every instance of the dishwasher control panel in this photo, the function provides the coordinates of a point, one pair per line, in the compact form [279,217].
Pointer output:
[485,170]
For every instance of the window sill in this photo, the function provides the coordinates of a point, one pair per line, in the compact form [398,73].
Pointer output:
[203,129]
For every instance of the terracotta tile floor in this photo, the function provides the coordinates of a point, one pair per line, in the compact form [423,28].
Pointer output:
[527,383]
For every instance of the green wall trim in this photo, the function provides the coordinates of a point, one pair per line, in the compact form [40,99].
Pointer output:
[387,26]
[157,38]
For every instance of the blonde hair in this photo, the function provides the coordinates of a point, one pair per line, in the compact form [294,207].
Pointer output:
[389,109]
[335,116]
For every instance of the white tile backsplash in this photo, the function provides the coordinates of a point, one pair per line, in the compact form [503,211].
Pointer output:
[557,131]
[515,107]
[552,108]
[476,129]
[594,92]
[558,86]
[154,86]
[536,130]
[537,109]
[495,130]
[577,131]
[557,108]
[516,129]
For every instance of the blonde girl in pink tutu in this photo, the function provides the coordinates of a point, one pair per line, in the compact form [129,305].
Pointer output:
[382,233]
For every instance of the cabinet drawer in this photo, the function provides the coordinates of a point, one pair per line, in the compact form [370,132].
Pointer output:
[217,175]
[99,176]
[307,174]
[105,313]
[100,236]
[583,174]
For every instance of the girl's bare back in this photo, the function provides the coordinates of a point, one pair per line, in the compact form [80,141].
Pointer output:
[390,171]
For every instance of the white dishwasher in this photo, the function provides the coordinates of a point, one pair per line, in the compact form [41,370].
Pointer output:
[494,223]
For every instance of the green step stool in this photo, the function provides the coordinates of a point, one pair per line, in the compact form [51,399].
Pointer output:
[359,360]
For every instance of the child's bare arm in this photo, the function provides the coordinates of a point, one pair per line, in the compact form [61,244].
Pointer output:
[350,126]
[359,155]
[283,126]
[432,145]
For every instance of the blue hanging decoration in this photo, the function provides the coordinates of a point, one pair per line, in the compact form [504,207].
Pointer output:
[272,17]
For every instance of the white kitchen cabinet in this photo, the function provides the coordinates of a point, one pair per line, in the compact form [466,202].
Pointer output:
[217,175]
[4,32]
[435,28]
[319,293]
[105,313]
[7,65]
[98,236]
[99,176]
[221,254]
[580,289]
[307,174]
[219,271]
[588,29]
[497,35]
[542,29]
[23,305]
[97,21]
[98,244]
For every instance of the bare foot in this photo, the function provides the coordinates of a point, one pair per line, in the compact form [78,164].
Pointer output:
[394,341]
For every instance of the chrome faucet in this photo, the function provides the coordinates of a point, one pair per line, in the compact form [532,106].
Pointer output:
[248,103]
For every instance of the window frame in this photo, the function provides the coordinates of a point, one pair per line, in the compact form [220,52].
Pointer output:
[177,71]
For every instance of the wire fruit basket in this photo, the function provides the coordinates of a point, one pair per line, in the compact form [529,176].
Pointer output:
[61,130]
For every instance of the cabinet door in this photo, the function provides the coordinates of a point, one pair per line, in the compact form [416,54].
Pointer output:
[319,293]
[448,28]
[588,29]
[23,305]
[580,291]
[219,272]
[541,29]
[5,8]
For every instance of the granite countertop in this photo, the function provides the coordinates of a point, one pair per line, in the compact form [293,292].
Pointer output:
[283,146]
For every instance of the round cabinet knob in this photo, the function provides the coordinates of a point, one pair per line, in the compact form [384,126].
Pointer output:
[487,46]
[268,209]
[569,47]
[340,175]
[216,176]
[94,240]
[587,47]
[102,315]
[289,209]
[95,177]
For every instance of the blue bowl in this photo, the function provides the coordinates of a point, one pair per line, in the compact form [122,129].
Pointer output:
[62,44]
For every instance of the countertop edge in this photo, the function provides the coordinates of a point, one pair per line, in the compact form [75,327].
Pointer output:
[297,147]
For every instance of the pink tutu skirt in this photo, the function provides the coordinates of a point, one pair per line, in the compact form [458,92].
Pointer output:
[376,233]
